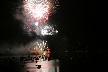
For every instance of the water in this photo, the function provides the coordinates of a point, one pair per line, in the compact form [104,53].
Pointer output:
[68,62]
[17,64]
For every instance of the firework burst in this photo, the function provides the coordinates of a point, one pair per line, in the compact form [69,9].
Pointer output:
[38,10]
[40,46]
[35,14]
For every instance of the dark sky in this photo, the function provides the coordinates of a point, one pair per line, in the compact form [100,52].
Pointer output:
[77,20]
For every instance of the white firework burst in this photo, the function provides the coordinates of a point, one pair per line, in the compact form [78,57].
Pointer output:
[48,30]
[41,45]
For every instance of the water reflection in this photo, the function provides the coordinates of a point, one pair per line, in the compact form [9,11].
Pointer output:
[42,66]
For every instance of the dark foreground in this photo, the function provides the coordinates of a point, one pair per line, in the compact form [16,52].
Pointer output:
[69,62]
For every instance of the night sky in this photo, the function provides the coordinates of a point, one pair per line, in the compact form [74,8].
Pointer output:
[77,22]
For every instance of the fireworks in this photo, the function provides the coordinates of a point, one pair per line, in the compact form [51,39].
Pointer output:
[42,30]
[38,10]
[48,30]
[35,14]
[40,47]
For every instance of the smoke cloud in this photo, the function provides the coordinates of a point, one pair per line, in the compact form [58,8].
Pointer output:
[18,48]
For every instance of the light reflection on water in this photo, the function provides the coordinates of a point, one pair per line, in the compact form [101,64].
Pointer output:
[43,66]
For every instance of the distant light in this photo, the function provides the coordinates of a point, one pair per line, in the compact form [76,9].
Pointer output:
[71,58]
[36,23]
[66,51]
[7,49]
[41,49]
[56,31]
[100,50]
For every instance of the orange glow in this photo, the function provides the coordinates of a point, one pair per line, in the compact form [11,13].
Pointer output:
[48,55]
